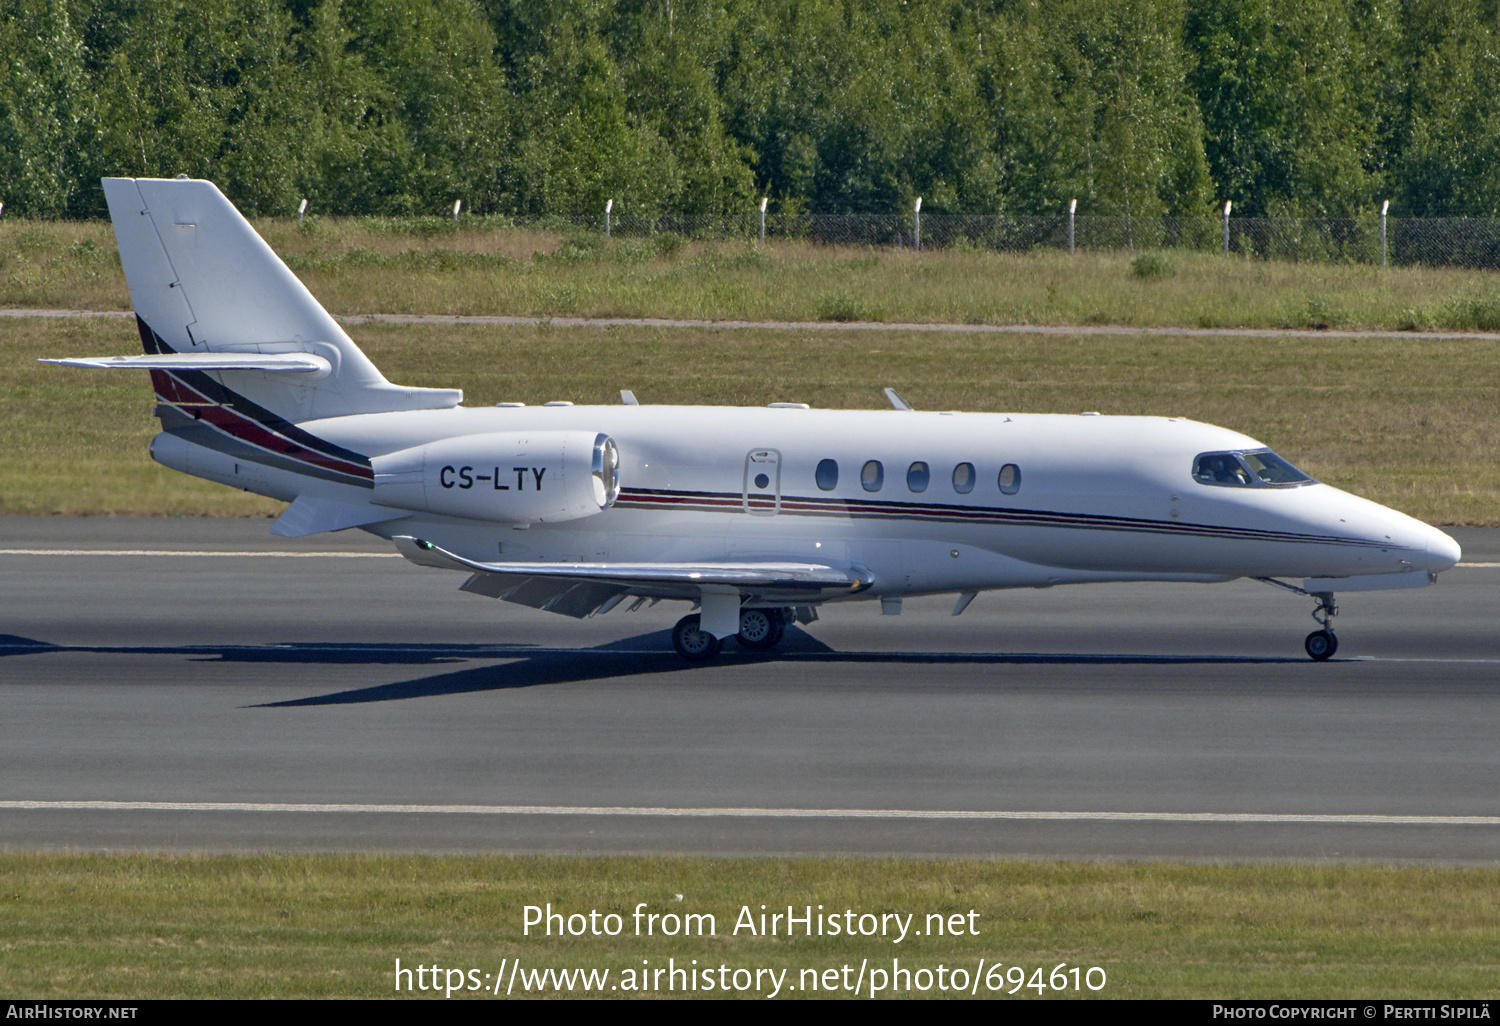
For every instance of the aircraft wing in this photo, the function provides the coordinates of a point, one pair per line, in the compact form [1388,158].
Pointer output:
[578,589]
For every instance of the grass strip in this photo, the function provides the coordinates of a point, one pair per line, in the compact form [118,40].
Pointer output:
[1410,423]
[364,265]
[142,926]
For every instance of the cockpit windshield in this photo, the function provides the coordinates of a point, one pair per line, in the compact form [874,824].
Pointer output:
[1258,468]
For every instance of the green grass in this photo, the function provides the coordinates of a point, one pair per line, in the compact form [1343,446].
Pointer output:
[430,266]
[1413,423]
[141,926]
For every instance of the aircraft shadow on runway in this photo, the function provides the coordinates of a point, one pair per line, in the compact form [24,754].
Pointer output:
[652,654]
[14,644]
[530,666]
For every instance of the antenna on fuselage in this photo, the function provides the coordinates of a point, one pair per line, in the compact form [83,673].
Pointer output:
[896,400]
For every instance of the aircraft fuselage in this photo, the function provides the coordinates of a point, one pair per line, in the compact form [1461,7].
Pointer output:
[1091,498]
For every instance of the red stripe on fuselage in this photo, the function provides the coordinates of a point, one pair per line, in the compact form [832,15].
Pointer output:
[246,430]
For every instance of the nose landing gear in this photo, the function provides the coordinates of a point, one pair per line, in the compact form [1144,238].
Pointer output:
[1322,643]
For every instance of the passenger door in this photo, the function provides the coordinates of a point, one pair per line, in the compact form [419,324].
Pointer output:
[761,493]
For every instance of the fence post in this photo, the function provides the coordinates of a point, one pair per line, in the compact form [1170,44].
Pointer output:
[917,214]
[763,201]
[301,211]
[1072,209]
[1383,208]
[1227,205]
[456,205]
[608,206]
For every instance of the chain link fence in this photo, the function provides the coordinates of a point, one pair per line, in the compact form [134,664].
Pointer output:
[1471,242]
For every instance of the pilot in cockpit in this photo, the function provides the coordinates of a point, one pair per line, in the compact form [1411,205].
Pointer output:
[1222,468]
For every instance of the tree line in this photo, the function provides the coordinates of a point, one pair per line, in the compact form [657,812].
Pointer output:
[1139,107]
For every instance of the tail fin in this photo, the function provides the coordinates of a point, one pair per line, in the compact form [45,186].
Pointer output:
[203,281]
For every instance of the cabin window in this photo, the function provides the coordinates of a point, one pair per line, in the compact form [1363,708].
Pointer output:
[827,475]
[872,476]
[964,478]
[1259,468]
[1010,479]
[917,476]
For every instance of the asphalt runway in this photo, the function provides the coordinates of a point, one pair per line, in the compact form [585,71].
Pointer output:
[198,685]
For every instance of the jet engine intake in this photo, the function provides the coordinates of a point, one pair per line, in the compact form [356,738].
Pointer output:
[522,477]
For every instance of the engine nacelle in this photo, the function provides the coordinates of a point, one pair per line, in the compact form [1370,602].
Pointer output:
[520,477]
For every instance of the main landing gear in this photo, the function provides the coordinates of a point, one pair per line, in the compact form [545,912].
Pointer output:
[760,631]
[1322,643]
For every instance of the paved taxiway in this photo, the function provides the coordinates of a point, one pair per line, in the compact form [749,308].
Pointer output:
[310,702]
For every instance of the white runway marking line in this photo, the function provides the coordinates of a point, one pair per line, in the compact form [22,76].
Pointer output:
[1363,819]
[273,553]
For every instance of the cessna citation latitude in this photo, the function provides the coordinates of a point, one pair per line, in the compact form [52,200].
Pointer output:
[757,516]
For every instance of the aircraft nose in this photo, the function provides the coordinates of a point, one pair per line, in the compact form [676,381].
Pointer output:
[1442,551]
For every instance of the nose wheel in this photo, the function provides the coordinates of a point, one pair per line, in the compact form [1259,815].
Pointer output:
[1321,644]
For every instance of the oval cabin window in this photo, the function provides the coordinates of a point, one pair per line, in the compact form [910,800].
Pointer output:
[963,478]
[1010,479]
[827,475]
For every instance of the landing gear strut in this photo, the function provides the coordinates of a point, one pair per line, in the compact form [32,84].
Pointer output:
[1322,643]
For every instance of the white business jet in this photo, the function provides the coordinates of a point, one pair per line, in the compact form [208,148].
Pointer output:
[755,515]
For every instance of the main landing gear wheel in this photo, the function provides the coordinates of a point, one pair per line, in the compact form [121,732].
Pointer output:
[693,643]
[1321,644]
[760,629]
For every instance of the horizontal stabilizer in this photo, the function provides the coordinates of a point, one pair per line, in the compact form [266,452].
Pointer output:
[809,580]
[1372,582]
[294,363]
[314,516]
